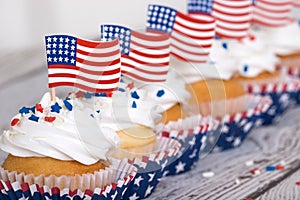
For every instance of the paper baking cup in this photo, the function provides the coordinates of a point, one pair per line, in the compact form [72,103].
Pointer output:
[150,168]
[283,94]
[235,128]
[294,72]
[191,139]
[110,183]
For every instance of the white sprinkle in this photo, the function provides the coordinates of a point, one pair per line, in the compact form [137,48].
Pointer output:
[257,172]
[282,163]
[249,163]
[208,174]
[237,181]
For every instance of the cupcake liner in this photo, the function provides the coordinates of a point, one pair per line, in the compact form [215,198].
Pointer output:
[114,181]
[192,141]
[151,167]
[282,93]
[235,128]
[293,72]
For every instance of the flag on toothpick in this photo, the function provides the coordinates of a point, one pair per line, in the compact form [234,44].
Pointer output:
[272,13]
[88,65]
[232,16]
[191,38]
[145,56]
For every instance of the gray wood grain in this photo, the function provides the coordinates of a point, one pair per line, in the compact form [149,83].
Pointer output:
[268,146]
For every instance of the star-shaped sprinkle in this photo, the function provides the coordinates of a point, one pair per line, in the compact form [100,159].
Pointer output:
[224,45]
[15,122]
[32,109]
[56,108]
[133,104]
[34,118]
[135,95]
[98,111]
[160,93]
[24,110]
[39,108]
[50,119]
[68,105]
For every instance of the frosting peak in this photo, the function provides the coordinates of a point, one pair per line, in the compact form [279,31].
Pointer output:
[65,130]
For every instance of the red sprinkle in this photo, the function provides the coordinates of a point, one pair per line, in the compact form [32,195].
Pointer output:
[15,121]
[298,183]
[50,119]
[253,171]
[165,134]
[279,167]
[39,108]
[248,199]
[79,94]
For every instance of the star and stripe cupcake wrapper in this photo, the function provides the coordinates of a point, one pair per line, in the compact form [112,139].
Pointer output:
[191,133]
[294,72]
[235,128]
[150,168]
[120,174]
[282,93]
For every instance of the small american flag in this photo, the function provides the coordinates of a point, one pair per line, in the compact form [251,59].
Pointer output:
[145,56]
[232,16]
[191,38]
[272,13]
[88,65]
[296,3]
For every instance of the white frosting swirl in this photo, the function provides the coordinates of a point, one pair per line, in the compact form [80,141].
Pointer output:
[282,40]
[123,111]
[73,135]
[254,56]
[164,95]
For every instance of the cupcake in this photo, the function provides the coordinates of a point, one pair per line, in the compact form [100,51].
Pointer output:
[59,145]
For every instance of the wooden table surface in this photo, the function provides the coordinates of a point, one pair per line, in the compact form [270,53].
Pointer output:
[24,81]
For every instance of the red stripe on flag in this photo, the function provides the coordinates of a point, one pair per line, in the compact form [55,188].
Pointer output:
[91,72]
[108,54]
[187,59]
[98,64]
[97,45]
[142,78]
[142,70]
[79,77]
[148,37]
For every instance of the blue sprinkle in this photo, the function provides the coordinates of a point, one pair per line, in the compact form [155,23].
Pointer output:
[217,37]
[121,89]
[67,98]
[160,93]
[32,109]
[34,118]
[24,110]
[224,45]
[133,104]
[122,81]
[68,105]
[270,168]
[56,108]
[98,111]
[135,95]
[246,68]
[299,22]
[88,95]
[92,115]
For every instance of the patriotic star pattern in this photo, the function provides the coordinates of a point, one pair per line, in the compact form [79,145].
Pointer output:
[272,13]
[191,142]
[232,16]
[145,57]
[281,94]
[191,38]
[88,65]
